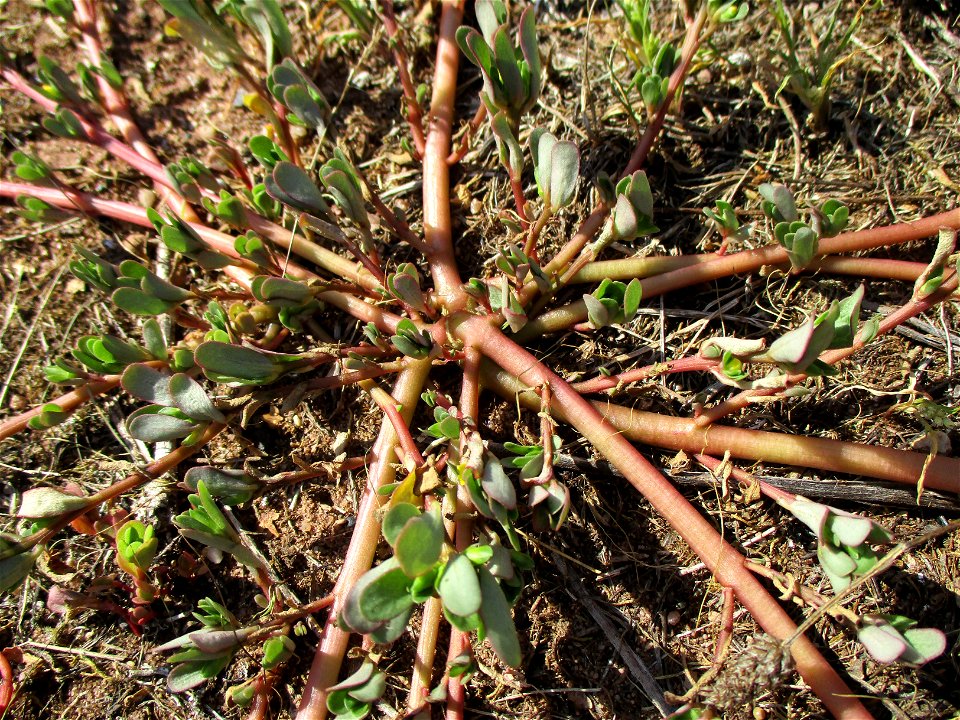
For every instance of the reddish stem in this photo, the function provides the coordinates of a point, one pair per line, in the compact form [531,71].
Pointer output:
[648,428]
[455,157]
[436,171]
[93,132]
[67,402]
[116,105]
[363,545]
[389,406]
[609,382]
[641,267]
[6,683]
[748,261]
[414,111]
[141,477]
[721,558]
[831,357]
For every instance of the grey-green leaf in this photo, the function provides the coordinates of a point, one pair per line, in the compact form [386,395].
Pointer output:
[154,427]
[233,361]
[148,384]
[395,519]
[497,620]
[419,543]
[296,189]
[386,596]
[191,399]
[459,588]
[137,302]
[564,173]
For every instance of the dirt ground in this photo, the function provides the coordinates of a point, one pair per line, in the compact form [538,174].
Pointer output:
[616,575]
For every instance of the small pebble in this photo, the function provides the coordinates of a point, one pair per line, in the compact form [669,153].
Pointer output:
[739,58]
[146,198]
[17,403]
[673,618]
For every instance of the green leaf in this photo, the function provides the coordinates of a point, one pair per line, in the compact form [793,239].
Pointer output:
[277,650]
[506,64]
[387,596]
[138,302]
[883,642]
[224,544]
[50,415]
[60,8]
[778,202]
[266,151]
[419,543]
[541,148]
[396,626]
[30,168]
[14,569]
[497,620]
[222,362]
[305,106]
[396,518]
[154,340]
[848,317]
[189,675]
[268,19]
[564,173]
[266,288]
[151,425]
[491,14]
[924,644]
[191,399]
[931,278]
[800,347]
[231,487]
[530,48]
[292,186]
[48,502]
[631,299]
[496,484]
[148,384]
[136,545]
[458,587]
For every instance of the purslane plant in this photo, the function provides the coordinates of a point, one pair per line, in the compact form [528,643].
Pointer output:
[450,511]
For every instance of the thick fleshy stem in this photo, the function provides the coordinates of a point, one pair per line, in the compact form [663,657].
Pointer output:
[436,172]
[67,402]
[642,267]
[414,111]
[117,107]
[694,363]
[726,564]
[363,546]
[464,147]
[463,526]
[388,405]
[591,226]
[648,428]
[6,683]
[426,652]
[219,241]
[889,323]
[748,261]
